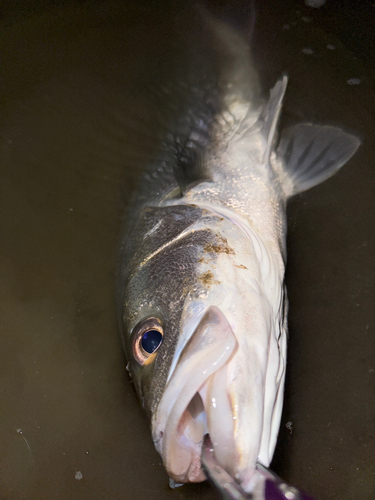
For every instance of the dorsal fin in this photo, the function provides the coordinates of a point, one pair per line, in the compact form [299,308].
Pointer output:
[191,168]
[311,154]
[270,115]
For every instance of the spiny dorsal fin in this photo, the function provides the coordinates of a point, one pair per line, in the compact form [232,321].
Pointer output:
[313,153]
[191,169]
[271,113]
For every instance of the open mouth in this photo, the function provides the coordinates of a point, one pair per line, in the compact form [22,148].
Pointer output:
[196,402]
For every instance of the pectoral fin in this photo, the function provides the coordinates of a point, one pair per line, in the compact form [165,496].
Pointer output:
[312,153]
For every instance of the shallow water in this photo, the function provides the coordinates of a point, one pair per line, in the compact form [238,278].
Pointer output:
[80,117]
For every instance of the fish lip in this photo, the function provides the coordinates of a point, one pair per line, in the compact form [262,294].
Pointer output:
[209,349]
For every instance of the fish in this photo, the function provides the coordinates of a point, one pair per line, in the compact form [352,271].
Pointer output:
[201,297]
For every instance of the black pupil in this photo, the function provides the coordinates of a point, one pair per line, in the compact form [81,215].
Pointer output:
[151,341]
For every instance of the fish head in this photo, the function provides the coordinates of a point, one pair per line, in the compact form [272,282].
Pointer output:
[219,359]
[155,276]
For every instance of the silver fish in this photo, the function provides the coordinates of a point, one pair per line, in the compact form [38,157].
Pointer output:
[201,296]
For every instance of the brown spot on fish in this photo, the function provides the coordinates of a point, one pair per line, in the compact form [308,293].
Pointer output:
[240,266]
[221,246]
[207,279]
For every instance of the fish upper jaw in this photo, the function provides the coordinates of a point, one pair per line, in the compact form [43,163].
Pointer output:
[209,392]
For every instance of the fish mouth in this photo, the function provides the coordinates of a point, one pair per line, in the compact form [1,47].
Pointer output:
[197,402]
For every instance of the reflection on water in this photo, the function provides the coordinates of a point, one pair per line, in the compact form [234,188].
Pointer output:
[81,114]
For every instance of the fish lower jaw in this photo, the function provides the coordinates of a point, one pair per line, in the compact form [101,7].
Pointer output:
[181,442]
[182,459]
[180,445]
[189,469]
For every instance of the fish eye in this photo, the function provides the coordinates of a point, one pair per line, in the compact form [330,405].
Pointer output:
[147,338]
[151,340]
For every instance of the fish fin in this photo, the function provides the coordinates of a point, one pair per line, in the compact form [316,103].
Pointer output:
[313,153]
[190,168]
[237,73]
[270,115]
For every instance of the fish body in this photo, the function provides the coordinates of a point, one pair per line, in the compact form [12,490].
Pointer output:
[201,296]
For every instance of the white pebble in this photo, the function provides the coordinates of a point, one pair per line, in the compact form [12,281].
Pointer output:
[353,81]
[307,50]
[78,475]
[330,46]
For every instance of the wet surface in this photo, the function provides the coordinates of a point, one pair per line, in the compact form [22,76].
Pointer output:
[80,117]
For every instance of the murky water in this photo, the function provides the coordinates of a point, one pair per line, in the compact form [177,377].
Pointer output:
[80,116]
